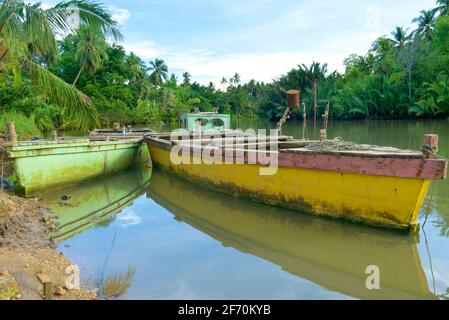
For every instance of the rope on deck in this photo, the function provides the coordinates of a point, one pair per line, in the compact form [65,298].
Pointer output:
[429,151]
[338,144]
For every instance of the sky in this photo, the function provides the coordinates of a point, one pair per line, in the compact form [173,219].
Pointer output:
[259,39]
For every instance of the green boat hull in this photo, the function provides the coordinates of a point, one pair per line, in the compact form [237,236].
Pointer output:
[45,165]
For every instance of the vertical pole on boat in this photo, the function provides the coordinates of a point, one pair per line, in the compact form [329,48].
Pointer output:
[293,102]
[11,133]
[315,107]
[304,118]
[323,132]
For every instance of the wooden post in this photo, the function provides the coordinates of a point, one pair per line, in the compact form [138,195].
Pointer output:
[323,134]
[11,133]
[304,118]
[48,291]
[430,147]
[315,107]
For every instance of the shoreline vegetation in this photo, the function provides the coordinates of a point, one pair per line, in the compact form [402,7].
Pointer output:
[88,80]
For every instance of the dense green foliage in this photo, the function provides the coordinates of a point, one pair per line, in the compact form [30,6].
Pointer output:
[25,126]
[403,75]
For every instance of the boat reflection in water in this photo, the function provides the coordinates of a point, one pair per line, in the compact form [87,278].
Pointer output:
[329,253]
[81,207]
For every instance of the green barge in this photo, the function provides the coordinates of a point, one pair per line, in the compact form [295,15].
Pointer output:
[37,165]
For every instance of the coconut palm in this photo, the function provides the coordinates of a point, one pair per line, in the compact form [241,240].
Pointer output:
[443,7]
[236,79]
[224,81]
[91,51]
[186,77]
[159,71]
[28,42]
[308,76]
[426,23]
[400,37]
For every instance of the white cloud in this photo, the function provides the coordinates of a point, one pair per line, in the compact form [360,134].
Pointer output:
[128,218]
[146,50]
[306,31]
[206,66]
[119,14]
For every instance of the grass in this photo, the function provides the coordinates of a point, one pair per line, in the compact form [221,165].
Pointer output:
[25,126]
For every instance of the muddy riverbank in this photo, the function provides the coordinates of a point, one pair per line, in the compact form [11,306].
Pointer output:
[27,259]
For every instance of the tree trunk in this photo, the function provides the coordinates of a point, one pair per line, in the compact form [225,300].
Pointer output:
[78,75]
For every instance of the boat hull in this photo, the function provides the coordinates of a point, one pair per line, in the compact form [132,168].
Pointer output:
[386,201]
[41,166]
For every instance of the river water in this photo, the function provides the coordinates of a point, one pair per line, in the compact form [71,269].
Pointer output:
[145,234]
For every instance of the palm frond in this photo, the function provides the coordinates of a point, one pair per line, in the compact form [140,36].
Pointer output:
[76,106]
[90,13]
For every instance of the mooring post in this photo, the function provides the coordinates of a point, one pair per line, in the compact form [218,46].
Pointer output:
[430,147]
[48,291]
[323,134]
[11,134]
[116,126]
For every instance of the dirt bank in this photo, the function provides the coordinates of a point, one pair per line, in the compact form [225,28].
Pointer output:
[26,257]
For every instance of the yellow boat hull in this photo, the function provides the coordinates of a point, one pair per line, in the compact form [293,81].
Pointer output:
[385,201]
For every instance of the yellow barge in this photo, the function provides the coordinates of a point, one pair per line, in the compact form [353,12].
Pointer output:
[383,187]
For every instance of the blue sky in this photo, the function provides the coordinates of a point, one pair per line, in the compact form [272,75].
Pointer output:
[260,39]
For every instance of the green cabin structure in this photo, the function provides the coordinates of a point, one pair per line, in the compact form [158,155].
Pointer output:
[205,121]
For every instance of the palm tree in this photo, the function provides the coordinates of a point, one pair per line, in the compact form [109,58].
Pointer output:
[236,79]
[443,7]
[91,51]
[28,40]
[159,72]
[186,77]
[174,79]
[308,76]
[224,81]
[426,23]
[400,37]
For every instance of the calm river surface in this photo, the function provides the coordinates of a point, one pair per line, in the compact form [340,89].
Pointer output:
[146,234]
